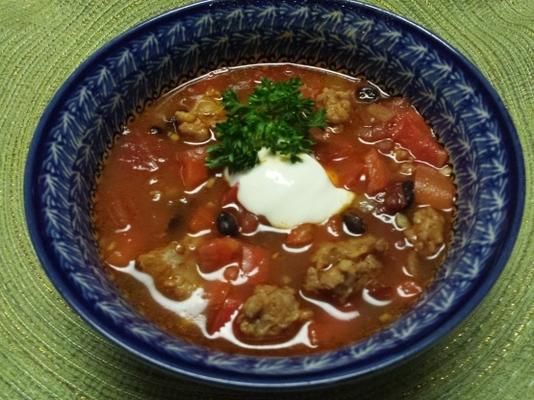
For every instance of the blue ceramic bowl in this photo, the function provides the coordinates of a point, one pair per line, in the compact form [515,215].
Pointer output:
[120,79]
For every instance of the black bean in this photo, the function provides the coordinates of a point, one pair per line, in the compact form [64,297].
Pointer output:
[367,94]
[154,130]
[174,223]
[227,224]
[353,223]
[408,189]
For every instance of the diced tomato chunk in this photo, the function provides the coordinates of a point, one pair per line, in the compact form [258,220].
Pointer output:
[225,298]
[433,188]
[193,170]
[121,212]
[218,252]
[224,314]
[203,218]
[224,302]
[300,235]
[217,292]
[255,263]
[349,173]
[378,174]
[230,196]
[409,129]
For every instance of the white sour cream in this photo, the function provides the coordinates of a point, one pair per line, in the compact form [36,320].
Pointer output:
[289,194]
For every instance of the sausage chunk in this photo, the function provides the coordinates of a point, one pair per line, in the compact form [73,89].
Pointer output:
[337,104]
[269,311]
[343,268]
[172,269]
[207,111]
[427,233]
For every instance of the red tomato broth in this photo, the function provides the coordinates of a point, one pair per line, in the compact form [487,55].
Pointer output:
[142,202]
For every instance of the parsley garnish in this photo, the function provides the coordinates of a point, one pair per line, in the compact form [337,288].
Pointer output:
[277,116]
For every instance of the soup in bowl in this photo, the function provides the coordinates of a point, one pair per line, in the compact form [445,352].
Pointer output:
[274,195]
[274,208]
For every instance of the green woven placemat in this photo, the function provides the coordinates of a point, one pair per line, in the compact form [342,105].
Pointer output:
[47,351]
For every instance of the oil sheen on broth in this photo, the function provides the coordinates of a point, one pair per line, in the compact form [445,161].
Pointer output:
[281,258]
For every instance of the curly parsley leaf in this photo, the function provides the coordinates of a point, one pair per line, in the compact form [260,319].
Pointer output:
[277,116]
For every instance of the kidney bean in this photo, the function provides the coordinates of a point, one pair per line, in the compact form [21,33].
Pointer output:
[398,196]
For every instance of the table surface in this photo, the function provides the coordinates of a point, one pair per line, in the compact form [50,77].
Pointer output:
[47,351]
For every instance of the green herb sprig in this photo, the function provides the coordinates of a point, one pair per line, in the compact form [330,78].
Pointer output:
[277,116]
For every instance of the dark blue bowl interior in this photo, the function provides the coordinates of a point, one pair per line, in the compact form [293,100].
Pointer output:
[78,128]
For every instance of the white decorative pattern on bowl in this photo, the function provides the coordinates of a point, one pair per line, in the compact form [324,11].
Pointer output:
[120,79]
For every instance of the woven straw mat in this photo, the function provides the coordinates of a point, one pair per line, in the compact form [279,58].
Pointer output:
[48,352]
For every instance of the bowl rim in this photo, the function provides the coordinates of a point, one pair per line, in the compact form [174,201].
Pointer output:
[297,381]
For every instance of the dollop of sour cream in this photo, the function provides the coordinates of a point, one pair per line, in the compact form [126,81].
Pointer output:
[289,194]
